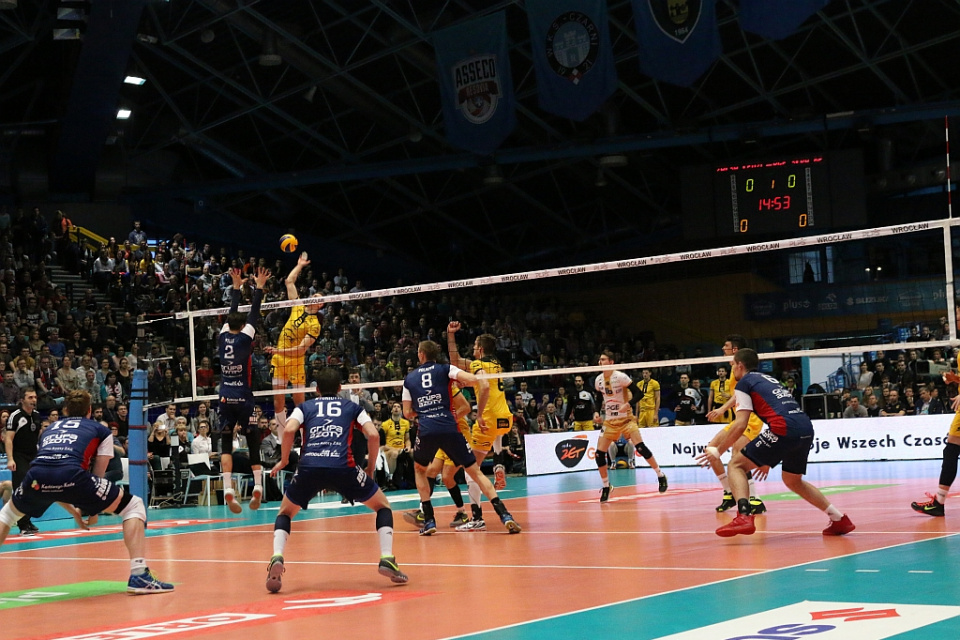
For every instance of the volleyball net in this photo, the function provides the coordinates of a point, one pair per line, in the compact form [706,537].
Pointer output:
[834,297]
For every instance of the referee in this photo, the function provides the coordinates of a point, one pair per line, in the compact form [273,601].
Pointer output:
[20,440]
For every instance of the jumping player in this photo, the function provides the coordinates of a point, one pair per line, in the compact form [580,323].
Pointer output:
[329,425]
[236,398]
[787,439]
[426,392]
[299,333]
[619,419]
[948,469]
[61,473]
[496,418]
[731,345]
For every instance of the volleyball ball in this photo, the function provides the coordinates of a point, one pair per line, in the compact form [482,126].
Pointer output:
[288,243]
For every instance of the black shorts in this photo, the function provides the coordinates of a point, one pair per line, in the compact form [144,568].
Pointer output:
[232,414]
[453,444]
[351,482]
[45,485]
[770,449]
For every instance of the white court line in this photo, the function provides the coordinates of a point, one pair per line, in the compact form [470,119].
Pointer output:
[681,590]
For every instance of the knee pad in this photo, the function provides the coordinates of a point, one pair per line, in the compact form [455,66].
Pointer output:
[384,518]
[644,451]
[601,459]
[948,472]
[9,514]
[131,507]
[226,442]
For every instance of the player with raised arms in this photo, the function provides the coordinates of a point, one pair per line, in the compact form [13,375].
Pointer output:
[236,398]
[786,439]
[329,425]
[496,420]
[619,420]
[731,345]
[298,334]
[61,473]
[427,394]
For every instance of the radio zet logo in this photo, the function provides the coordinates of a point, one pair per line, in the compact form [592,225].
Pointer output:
[571,452]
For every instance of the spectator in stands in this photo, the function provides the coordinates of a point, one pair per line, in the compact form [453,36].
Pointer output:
[69,378]
[552,420]
[928,405]
[854,410]
[879,371]
[893,406]
[9,390]
[22,375]
[137,236]
[158,445]
[908,400]
[91,386]
[57,348]
[202,444]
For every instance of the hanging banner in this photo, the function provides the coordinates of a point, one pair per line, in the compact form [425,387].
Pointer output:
[572,55]
[678,39]
[776,19]
[475,84]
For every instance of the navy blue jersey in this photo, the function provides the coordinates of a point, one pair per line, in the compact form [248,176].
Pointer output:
[328,425]
[428,387]
[235,350]
[775,405]
[74,442]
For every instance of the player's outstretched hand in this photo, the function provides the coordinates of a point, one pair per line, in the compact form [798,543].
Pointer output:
[714,416]
[303,261]
[706,458]
[237,276]
[263,274]
[270,350]
[277,468]
[760,473]
[453,326]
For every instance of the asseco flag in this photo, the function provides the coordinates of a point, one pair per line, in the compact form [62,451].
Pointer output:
[572,55]
[475,84]
[776,19]
[678,39]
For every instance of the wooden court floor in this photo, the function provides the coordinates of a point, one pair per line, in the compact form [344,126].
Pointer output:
[644,565]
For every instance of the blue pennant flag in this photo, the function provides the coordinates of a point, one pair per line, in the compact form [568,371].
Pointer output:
[572,55]
[678,39]
[776,19]
[475,84]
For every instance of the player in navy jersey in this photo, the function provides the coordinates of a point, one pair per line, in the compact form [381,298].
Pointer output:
[61,473]
[427,395]
[786,439]
[329,426]
[236,398]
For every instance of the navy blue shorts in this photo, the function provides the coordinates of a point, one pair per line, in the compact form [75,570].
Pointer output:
[453,444]
[45,485]
[770,449]
[351,482]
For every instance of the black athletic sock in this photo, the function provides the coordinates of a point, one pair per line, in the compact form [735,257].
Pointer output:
[498,506]
[743,506]
[477,511]
[427,508]
[433,483]
[456,495]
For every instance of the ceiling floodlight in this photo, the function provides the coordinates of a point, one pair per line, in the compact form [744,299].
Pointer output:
[124,114]
[137,80]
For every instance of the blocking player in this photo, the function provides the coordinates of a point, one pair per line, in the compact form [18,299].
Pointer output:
[731,345]
[426,392]
[496,419]
[299,333]
[948,469]
[619,419]
[787,439]
[329,425]
[236,397]
[61,473]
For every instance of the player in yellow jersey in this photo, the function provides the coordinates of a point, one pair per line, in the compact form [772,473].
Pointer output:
[648,406]
[497,417]
[721,390]
[397,432]
[446,467]
[299,333]
[733,343]
[933,506]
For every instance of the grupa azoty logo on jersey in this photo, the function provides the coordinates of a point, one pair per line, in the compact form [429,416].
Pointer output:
[476,81]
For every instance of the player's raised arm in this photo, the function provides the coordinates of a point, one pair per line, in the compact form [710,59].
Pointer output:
[452,350]
[257,297]
[291,281]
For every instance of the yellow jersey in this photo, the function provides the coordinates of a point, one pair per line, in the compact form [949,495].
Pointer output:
[396,432]
[648,389]
[497,406]
[722,391]
[299,325]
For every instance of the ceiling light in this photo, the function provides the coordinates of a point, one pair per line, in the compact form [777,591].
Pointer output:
[494,175]
[124,114]
[614,160]
[207,36]
[310,93]
[137,80]
[601,180]
[268,51]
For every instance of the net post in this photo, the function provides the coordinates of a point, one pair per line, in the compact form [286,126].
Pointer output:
[138,435]
[948,274]
[193,351]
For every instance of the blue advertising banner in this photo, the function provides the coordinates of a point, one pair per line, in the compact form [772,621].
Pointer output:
[572,55]
[776,19]
[830,300]
[678,39]
[475,84]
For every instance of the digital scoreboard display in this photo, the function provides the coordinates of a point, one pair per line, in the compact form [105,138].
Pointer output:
[773,197]
[785,196]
